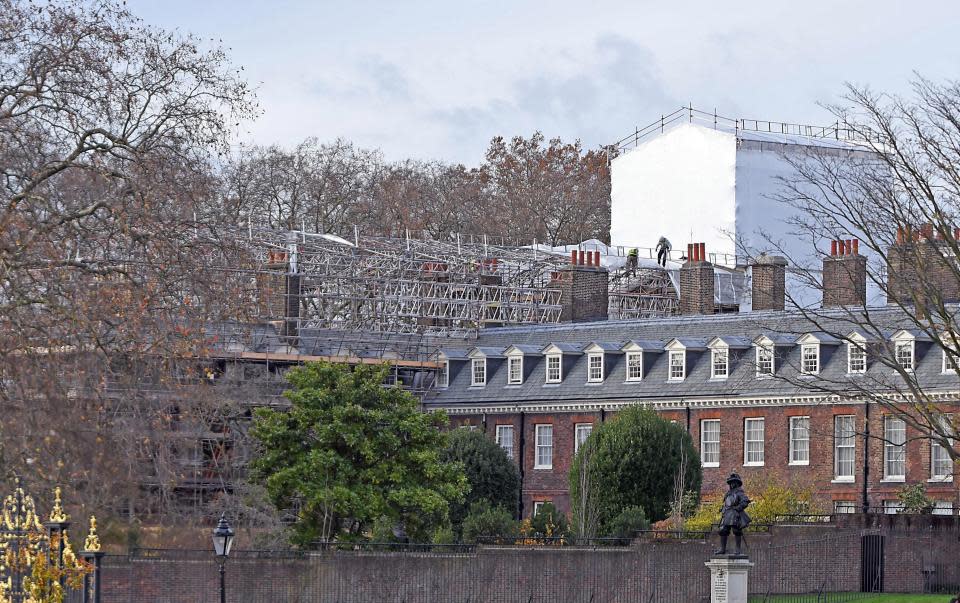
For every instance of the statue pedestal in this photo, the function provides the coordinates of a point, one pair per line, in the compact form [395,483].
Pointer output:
[728,579]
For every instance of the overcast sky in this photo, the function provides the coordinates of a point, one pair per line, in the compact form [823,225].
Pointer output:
[438,79]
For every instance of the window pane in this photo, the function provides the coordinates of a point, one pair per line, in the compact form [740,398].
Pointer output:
[844,443]
[677,360]
[634,366]
[553,369]
[710,442]
[544,446]
[810,359]
[799,439]
[904,353]
[895,435]
[583,432]
[753,438]
[515,369]
[595,367]
[764,360]
[443,375]
[844,506]
[721,363]
[505,438]
[479,371]
[856,359]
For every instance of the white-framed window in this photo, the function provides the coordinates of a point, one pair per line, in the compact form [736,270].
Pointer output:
[892,507]
[720,363]
[582,431]
[544,443]
[844,448]
[946,367]
[515,370]
[537,505]
[765,364]
[894,449]
[753,441]
[634,366]
[903,350]
[799,440]
[710,442]
[810,358]
[554,368]
[678,365]
[478,371]
[856,359]
[942,507]
[595,368]
[443,374]
[941,465]
[505,438]
[842,507]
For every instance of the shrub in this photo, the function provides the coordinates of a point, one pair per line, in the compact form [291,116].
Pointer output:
[492,476]
[914,499]
[487,521]
[626,525]
[769,501]
[549,523]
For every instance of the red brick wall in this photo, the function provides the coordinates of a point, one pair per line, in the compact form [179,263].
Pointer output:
[551,484]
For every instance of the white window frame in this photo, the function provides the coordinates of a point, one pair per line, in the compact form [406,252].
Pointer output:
[474,363]
[683,365]
[862,351]
[747,441]
[501,440]
[844,507]
[704,451]
[906,345]
[892,507]
[844,438]
[716,355]
[443,375]
[796,429]
[543,440]
[538,504]
[631,357]
[558,378]
[766,349]
[939,506]
[595,373]
[578,438]
[511,378]
[936,450]
[946,369]
[810,359]
[894,455]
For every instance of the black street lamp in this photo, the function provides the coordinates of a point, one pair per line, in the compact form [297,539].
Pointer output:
[222,541]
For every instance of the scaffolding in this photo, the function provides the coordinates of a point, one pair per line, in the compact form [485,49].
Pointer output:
[451,288]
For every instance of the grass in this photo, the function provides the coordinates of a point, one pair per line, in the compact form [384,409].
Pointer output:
[854,598]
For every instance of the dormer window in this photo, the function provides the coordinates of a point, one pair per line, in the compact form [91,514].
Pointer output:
[720,363]
[478,372]
[443,374]
[947,365]
[856,358]
[595,368]
[634,366]
[765,360]
[514,370]
[678,365]
[554,368]
[903,350]
[810,358]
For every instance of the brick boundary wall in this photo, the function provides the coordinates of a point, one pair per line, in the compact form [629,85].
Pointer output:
[919,553]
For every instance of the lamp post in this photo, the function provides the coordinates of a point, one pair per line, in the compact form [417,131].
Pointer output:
[222,541]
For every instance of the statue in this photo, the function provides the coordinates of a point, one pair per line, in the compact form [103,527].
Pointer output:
[733,516]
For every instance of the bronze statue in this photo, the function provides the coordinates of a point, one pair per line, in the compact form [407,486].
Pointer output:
[733,516]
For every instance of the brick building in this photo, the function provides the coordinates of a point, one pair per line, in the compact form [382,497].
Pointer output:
[750,388]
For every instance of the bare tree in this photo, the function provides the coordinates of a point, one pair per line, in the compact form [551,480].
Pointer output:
[896,189]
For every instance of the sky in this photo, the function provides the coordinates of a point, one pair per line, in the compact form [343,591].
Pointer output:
[438,79]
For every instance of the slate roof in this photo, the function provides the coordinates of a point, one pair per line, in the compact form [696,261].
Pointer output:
[783,327]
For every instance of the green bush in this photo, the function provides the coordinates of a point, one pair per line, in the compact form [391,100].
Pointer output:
[626,525]
[549,523]
[492,476]
[485,520]
[915,500]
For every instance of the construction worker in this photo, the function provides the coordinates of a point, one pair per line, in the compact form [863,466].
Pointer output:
[632,261]
[663,251]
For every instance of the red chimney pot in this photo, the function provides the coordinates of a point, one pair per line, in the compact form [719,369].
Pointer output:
[856,247]
[580,261]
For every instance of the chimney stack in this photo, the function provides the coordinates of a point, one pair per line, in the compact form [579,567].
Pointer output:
[844,275]
[584,288]
[918,263]
[768,276]
[696,282]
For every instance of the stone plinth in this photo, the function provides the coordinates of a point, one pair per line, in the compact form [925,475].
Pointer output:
[728,579]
